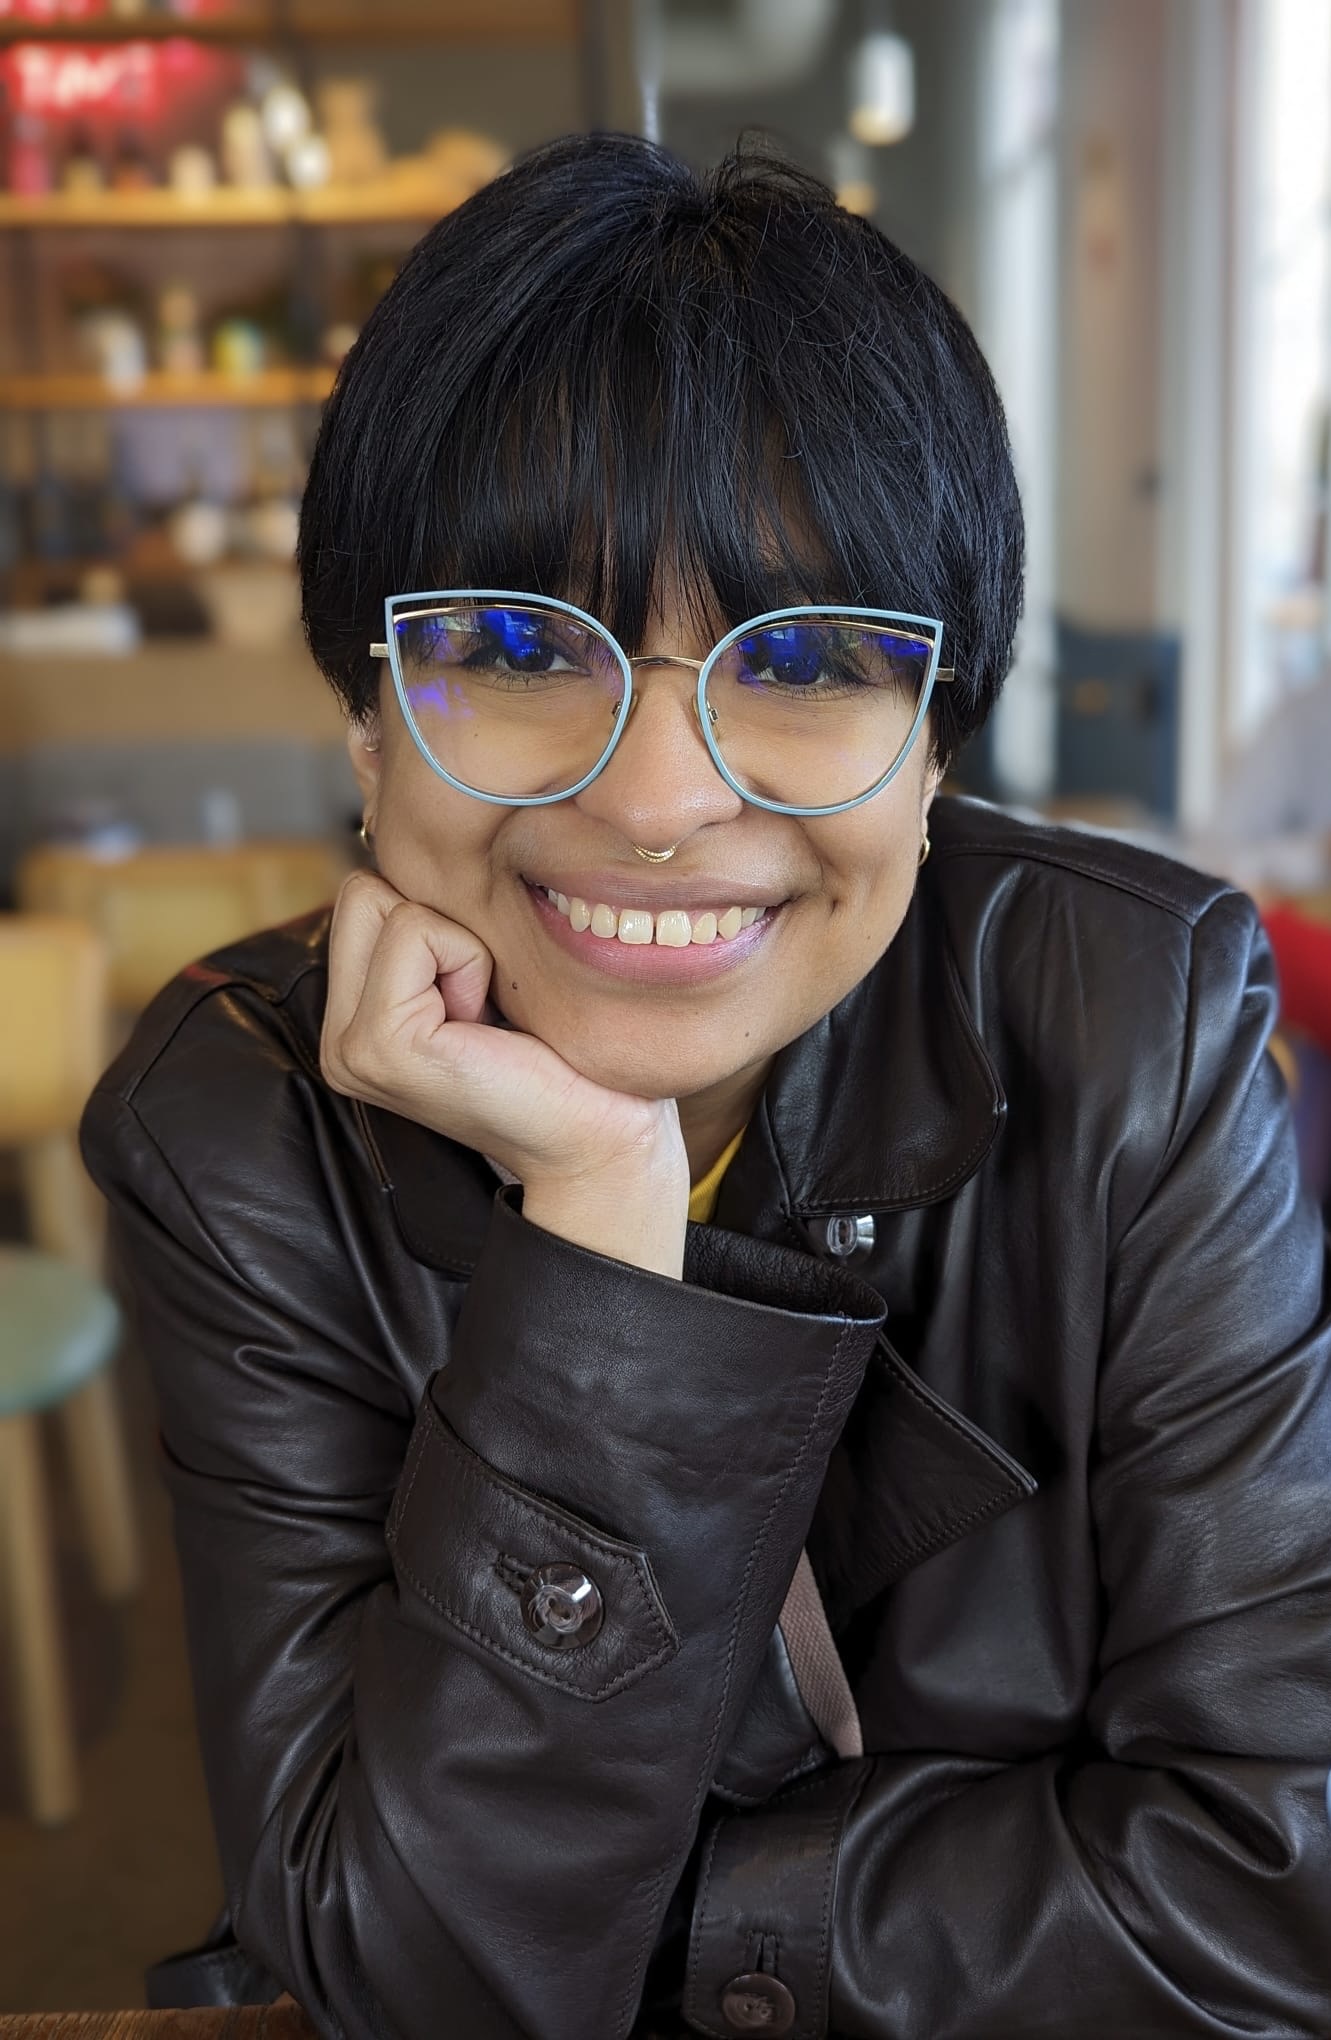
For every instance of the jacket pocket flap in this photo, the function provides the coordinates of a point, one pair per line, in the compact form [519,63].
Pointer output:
[481,1552]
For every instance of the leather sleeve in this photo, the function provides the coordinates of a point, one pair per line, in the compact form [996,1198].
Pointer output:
[1171,1875]
[428,1820]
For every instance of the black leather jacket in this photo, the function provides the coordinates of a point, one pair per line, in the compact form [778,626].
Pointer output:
[1059,1441]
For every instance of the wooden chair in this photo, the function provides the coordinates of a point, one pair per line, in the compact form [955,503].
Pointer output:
[160,908]
[59,1329]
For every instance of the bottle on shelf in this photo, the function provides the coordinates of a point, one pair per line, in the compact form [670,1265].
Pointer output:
[265,524]
[180,346]
[246,162]
[82,169]
[198,526]
[132,166]
[30,172]
[50,518]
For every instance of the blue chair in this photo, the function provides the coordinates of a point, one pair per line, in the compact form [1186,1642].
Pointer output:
[59,1330]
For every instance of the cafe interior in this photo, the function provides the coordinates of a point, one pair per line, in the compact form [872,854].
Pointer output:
[200,201]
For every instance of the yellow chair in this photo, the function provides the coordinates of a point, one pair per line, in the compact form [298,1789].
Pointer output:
[59,1329]
[160,908]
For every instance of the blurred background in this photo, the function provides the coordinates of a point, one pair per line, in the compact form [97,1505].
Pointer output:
[200,200]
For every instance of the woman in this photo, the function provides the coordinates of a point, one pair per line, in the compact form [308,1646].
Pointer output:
[662,543]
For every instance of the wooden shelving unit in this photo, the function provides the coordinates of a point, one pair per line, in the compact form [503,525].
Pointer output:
[391,201]
[244,24]
[329,21]
[85,392]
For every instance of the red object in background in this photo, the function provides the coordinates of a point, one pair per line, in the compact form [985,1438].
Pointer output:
[166,92]
[136,80]
[41,13]
[1303,960]
[51,13]
[30,169]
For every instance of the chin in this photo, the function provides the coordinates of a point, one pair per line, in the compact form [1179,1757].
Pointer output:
[649,1069]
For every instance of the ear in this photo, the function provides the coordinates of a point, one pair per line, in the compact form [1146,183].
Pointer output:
[366,759]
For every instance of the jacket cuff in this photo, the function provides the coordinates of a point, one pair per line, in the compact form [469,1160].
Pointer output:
[642,1404]
[761,1943]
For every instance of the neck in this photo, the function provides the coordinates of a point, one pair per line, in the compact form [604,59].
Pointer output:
[710,1119]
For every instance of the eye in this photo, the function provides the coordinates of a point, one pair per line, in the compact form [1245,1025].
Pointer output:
[524,643]
[793,655]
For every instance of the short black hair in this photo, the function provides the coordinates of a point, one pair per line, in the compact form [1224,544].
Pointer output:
[605,365]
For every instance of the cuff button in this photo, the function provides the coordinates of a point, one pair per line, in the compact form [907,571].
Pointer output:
[563,1610]
[757,2004]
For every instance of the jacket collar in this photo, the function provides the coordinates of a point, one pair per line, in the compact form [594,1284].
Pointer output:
[887,1103]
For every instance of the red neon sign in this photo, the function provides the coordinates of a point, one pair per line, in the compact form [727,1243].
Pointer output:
[49,13]
[42,12]
[134,80]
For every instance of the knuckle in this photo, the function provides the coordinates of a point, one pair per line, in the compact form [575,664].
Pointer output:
[407,915]
[358,885]
[342,1062]
[332,1069]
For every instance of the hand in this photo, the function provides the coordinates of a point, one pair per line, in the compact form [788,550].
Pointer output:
[408,1026]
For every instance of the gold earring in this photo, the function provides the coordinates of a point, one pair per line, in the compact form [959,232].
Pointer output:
[924,851]
[367,837]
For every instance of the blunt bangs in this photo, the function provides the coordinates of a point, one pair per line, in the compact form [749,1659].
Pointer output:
[607,379]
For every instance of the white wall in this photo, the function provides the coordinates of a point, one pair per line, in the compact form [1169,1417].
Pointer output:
[1111,175]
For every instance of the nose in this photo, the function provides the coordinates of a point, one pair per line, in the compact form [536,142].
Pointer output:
[661,782]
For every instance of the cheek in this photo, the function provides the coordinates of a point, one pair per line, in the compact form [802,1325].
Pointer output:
[432,843]
[870,864]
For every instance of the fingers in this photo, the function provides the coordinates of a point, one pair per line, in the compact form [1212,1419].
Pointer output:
[396,971]
[419,952]
[361,908]
[406,1028]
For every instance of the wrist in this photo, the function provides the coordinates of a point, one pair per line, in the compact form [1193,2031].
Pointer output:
[632,1211]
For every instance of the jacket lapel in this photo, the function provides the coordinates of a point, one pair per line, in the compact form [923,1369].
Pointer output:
[890,1103]
[908,1476]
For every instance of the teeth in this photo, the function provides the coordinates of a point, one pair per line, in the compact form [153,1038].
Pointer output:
[672,928]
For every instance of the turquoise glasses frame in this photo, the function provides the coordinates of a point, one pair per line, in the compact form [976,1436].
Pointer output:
[397,605]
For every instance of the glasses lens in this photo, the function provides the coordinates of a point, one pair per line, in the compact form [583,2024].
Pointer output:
[512,699]
[812,711]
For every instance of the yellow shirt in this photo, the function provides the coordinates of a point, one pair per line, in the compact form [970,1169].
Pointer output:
[704,1193]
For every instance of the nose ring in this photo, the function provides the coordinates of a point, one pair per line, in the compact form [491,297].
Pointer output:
[656,856]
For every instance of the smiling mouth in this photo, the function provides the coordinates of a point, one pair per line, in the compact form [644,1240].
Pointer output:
[638,927]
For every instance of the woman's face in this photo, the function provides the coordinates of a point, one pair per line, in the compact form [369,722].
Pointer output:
[673,1019]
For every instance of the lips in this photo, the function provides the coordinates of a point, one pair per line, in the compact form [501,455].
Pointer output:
[662,945]
[670,927]
[677,912]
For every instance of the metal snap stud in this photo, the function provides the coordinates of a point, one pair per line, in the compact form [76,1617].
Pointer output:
[561,1607]
[849,1233]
